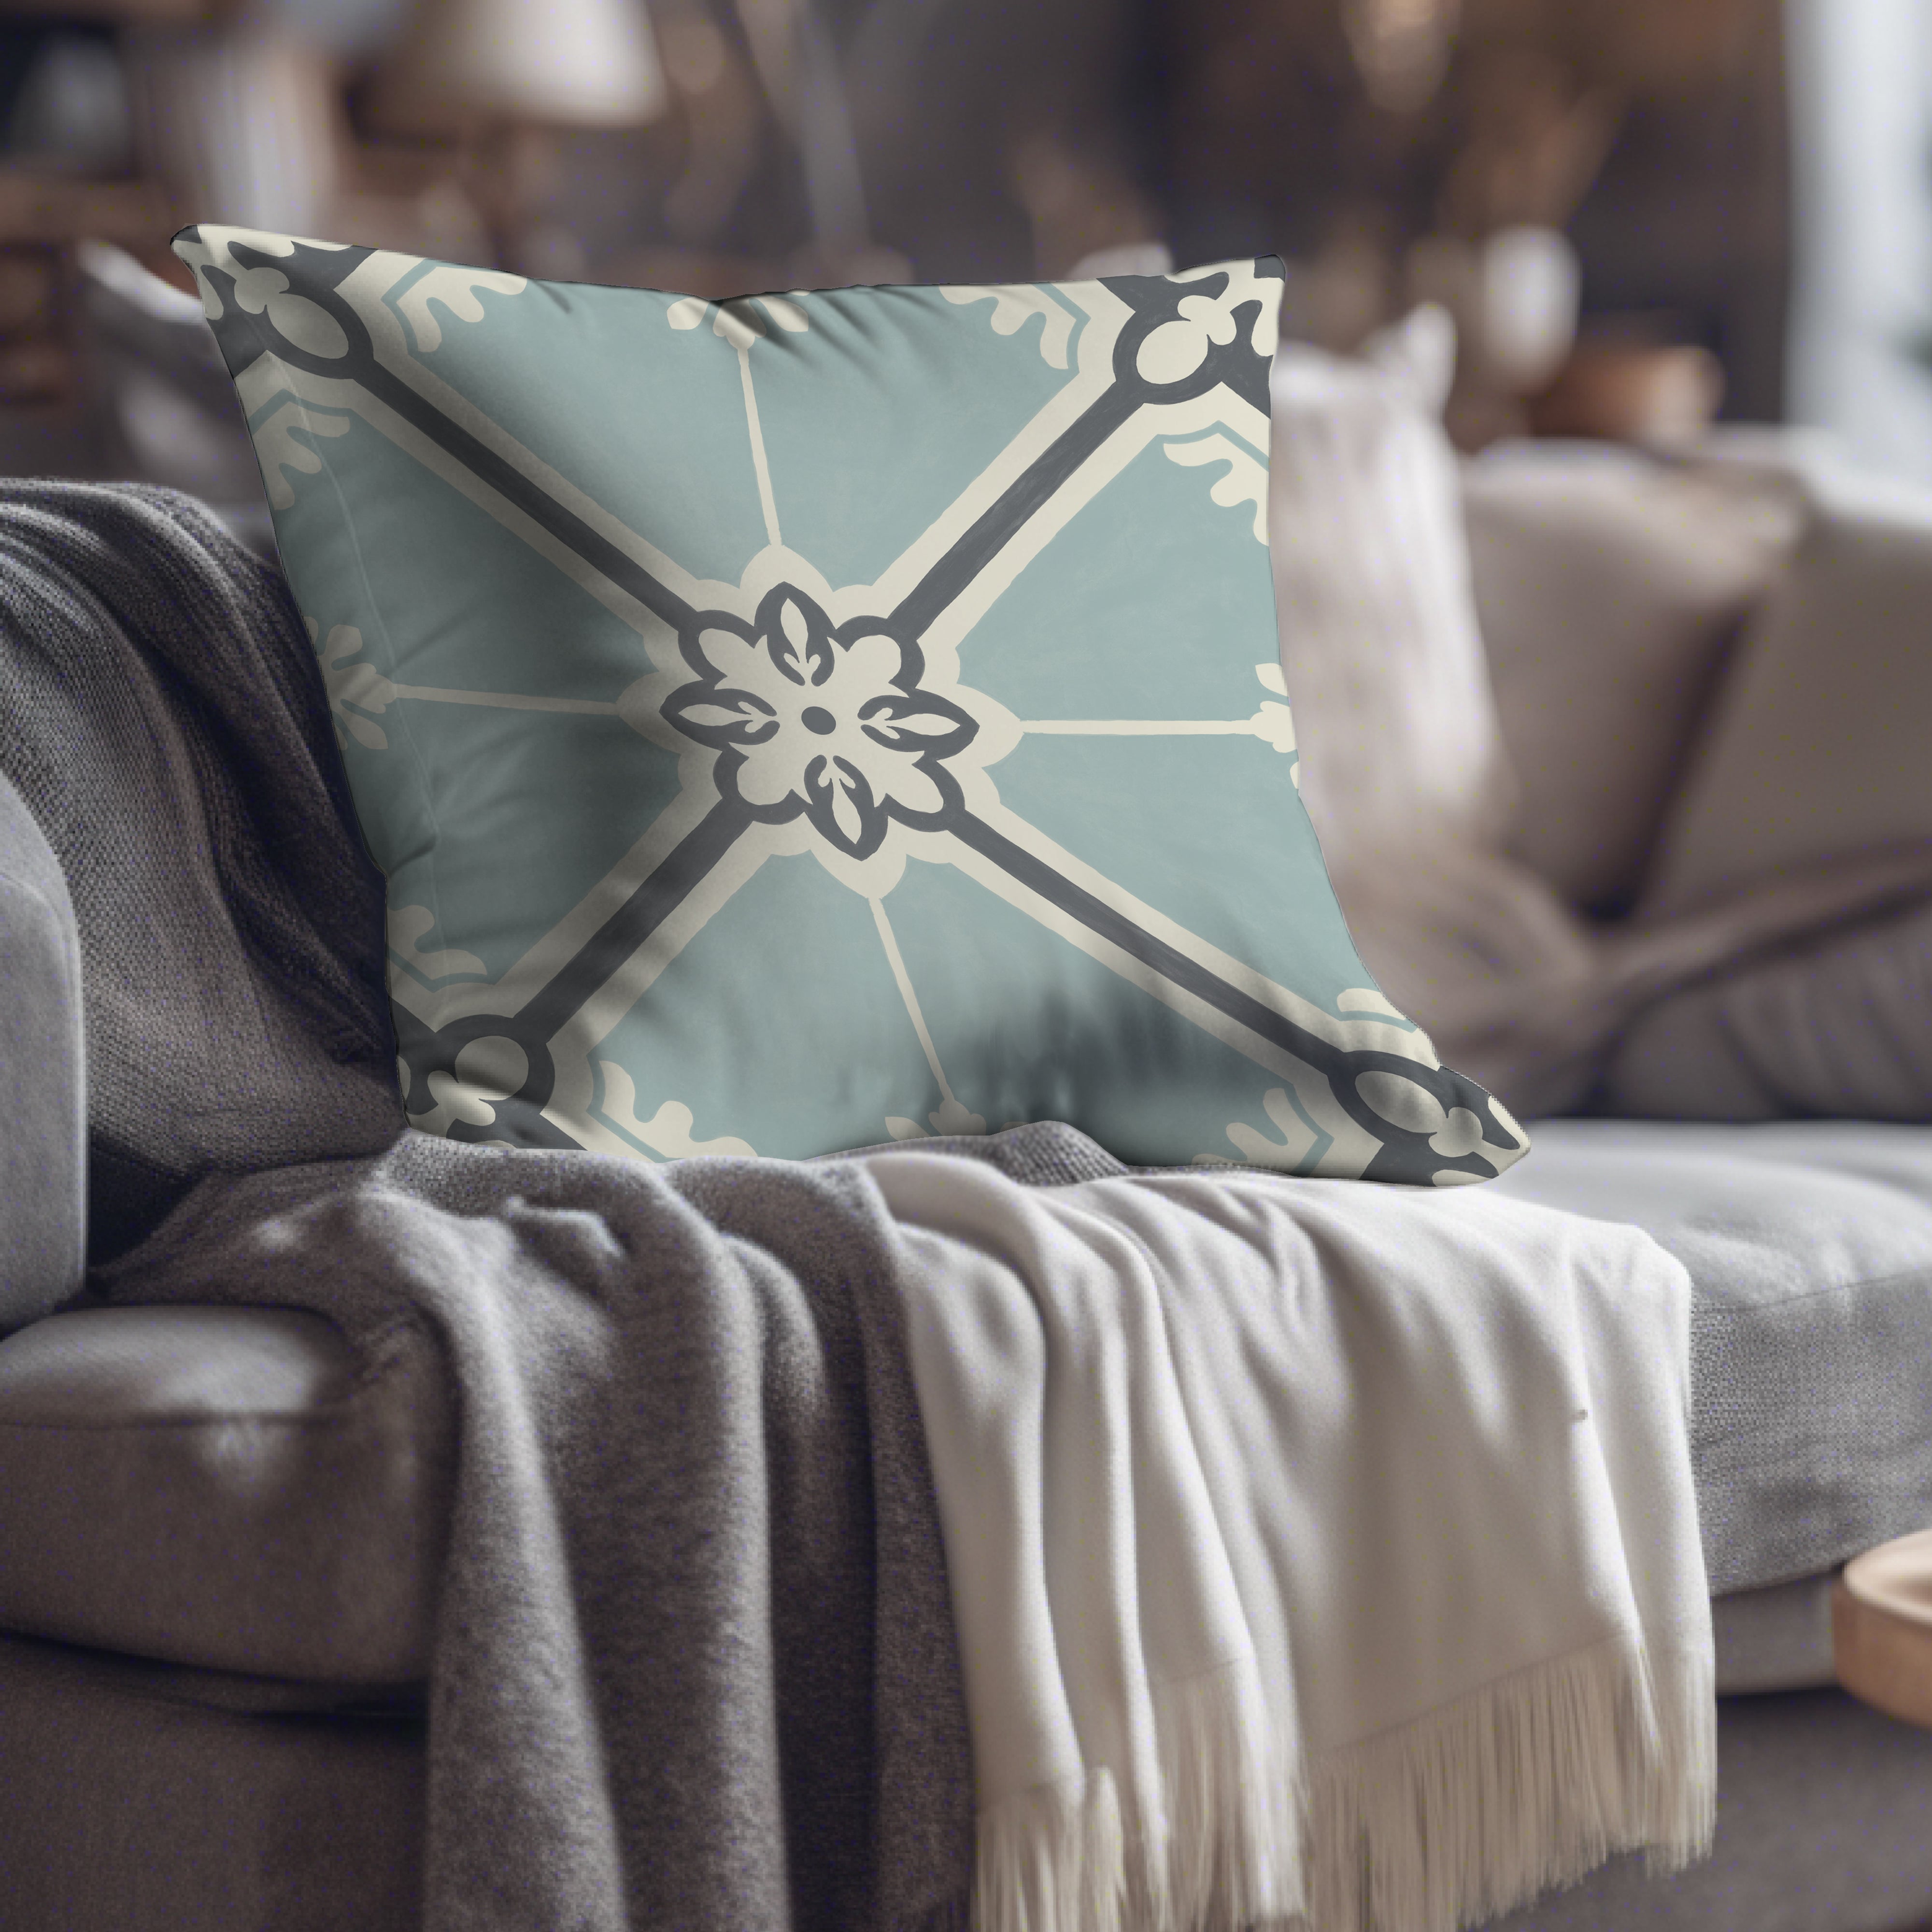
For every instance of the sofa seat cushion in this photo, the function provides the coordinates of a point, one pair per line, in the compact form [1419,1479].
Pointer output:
[127,1806]
[1809,1245]
[236,1489]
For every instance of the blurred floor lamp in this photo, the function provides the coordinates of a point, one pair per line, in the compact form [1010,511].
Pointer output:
[238,118]
[501,78]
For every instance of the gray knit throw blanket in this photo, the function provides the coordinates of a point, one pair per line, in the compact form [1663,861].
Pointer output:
[693,1664]
[164,721]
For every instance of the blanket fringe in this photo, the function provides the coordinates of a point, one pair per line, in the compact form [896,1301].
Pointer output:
[1052,1860]
[1527,1783]
[1224,1851]
[1235,1826]
[1683,1817]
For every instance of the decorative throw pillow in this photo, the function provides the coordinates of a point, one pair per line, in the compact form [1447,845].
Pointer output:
[1816,749]
[1401,747]
[792,722]
[1609,585]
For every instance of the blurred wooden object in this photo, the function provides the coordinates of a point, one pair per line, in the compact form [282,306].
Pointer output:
[48,209]
[1497,112]
[1080,203]
[42,217]
[1381,144]
[1631,392]
[171,11]
[1882,1628]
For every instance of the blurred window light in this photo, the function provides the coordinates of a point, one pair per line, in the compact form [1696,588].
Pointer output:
[1860,358]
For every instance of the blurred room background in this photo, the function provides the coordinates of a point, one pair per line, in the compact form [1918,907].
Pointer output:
[1644,215]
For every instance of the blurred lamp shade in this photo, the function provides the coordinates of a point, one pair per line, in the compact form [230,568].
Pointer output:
[556,63]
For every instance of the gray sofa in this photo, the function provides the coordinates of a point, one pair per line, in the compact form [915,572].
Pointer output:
[220,1530]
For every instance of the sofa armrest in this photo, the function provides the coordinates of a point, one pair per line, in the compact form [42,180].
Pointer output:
[43,1117]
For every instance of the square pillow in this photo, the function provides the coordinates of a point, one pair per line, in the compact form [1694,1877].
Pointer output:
[1815,751]
[1610,584]
[792,723]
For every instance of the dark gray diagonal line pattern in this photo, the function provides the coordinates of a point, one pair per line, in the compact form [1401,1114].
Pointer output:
[1017,505]
[501,475]
[1341,1065]
[538,1020]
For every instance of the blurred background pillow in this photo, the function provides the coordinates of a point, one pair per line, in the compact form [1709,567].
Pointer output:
[1815,758]
[1820,745]
[1610,584]
[163,409]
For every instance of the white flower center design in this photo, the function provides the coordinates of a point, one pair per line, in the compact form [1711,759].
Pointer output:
[829,723]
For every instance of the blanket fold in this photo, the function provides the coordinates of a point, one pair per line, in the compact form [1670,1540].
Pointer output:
[693,1662]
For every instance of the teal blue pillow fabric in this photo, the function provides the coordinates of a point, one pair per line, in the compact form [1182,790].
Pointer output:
[814,719]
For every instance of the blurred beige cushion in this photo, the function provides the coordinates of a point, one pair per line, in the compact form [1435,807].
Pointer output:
[1816,755]
[1608,586]
[1405,771]
[1819,744]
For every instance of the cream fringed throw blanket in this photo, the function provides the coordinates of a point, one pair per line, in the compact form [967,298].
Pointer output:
[1313,1547]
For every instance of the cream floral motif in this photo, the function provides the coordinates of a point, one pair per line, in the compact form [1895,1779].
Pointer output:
[1176,348]
[834,727]
[360,684]
[278,451]
[409,926]
[1289,1153]
[1014,307]
[1216,318]
[263,290]
[1244,480]
[668,1132]
[1451,1132]
[487,1072]
[455,288]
